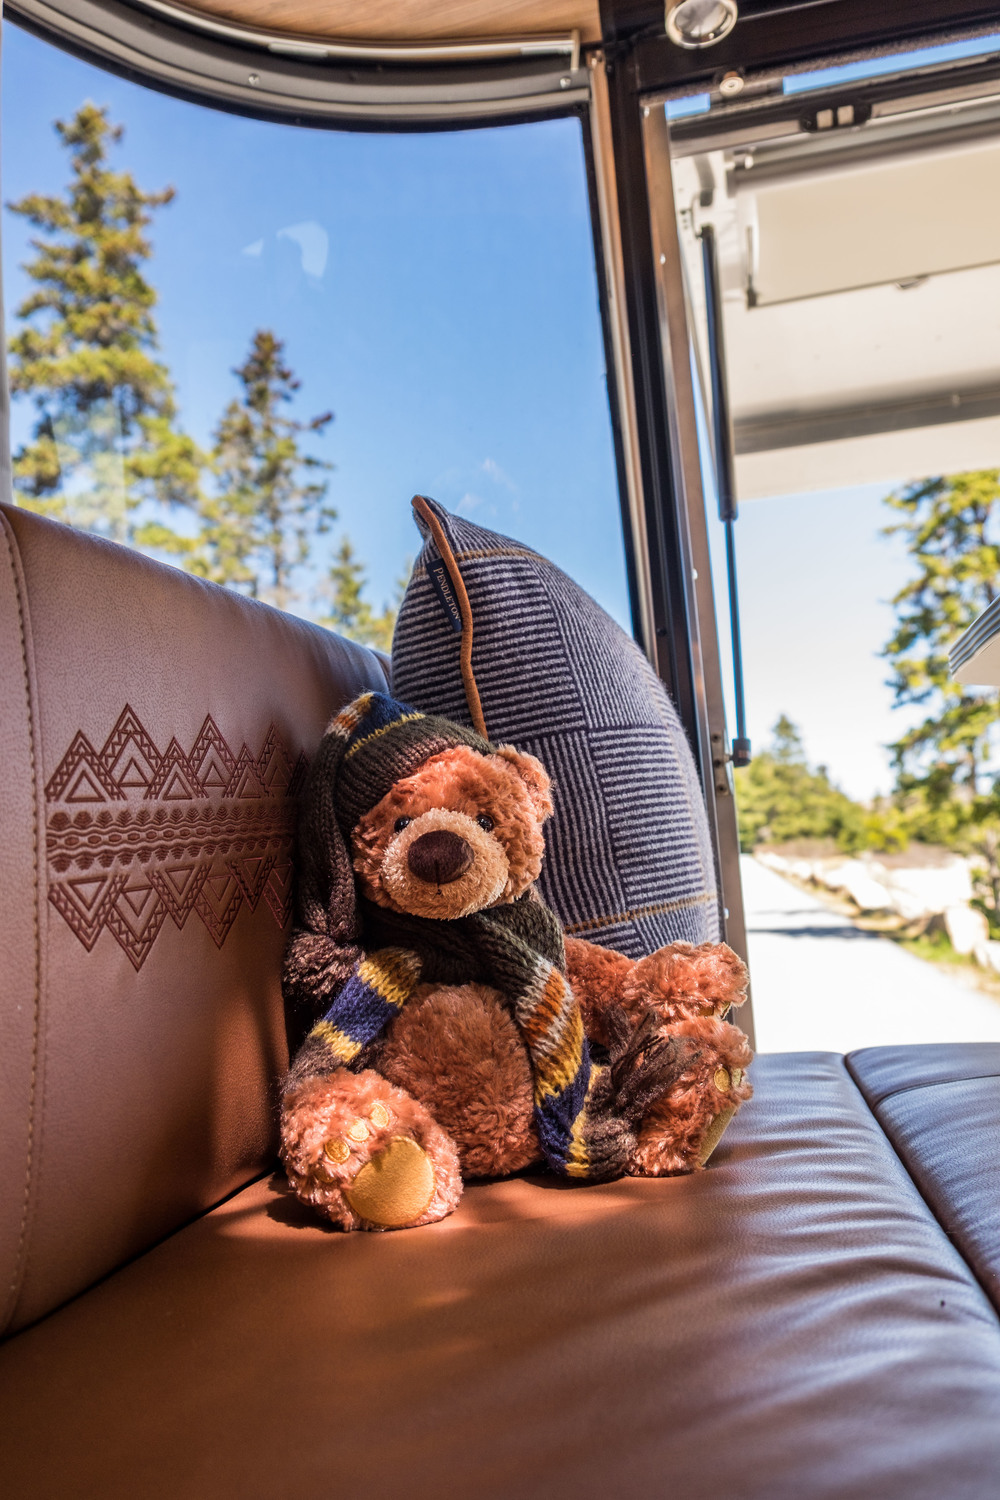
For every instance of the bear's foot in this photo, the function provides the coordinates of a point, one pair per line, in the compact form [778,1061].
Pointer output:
[680,1132]
[683,982]
[367,1155]
[395,1186]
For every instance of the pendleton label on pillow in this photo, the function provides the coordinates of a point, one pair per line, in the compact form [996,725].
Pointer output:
[629,859]
[438,575]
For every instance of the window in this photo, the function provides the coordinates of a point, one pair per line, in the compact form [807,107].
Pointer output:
[436,293]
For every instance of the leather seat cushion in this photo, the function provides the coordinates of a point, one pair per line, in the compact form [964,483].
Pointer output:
[790,1323]
[940,1107]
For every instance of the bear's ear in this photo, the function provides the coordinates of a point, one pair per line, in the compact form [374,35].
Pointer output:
[535,777]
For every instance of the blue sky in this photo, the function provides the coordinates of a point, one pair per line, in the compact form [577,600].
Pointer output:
[873,67]
[815,579]
[438,294]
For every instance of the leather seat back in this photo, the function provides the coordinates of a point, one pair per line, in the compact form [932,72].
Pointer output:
[154,732]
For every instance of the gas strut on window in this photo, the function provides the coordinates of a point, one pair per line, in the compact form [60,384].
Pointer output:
[722,439]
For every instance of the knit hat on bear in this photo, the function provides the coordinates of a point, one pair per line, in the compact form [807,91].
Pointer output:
[377,741]
[370,745]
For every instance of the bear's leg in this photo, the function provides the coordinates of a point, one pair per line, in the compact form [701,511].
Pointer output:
[680,1131]
[365,1154]
[684,981]
[456,1049]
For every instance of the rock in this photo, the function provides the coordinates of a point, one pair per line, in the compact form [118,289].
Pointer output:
[853,877]
[850,877]
[987,955]
[771,861]
[922,881]
[966,927]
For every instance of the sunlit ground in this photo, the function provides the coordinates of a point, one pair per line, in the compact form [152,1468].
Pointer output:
[819,982]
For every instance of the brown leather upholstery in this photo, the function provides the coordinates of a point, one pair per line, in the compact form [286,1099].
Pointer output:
[940,1108]
[793,1324]
[790,1325]
[152,734]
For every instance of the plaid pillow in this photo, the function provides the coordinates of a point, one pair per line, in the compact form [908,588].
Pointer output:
[629,862]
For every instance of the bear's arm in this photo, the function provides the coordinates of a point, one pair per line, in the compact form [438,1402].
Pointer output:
[598,977]
[680,982]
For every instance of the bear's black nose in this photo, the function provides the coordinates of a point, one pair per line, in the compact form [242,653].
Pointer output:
[439,857]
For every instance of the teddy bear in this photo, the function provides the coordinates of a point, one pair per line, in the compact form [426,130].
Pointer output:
[454,1031]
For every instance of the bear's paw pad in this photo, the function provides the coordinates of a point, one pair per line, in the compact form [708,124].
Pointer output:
[395,1187]
[713,1135]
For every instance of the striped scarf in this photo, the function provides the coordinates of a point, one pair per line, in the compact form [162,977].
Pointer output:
[518,949]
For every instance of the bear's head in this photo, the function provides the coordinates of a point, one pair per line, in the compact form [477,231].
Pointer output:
[461,833]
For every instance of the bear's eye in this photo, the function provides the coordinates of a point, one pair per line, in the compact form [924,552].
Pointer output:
[485,822]
[402,823]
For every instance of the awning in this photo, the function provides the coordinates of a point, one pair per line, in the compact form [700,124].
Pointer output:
[860,266]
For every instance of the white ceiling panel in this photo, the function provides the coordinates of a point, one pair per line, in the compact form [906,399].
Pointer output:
[861,314]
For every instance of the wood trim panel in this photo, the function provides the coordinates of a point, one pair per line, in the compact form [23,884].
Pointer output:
[409,20]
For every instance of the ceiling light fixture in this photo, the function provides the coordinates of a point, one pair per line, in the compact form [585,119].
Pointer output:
[699,23]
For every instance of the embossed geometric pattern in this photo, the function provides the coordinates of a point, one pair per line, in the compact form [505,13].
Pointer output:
[135,834]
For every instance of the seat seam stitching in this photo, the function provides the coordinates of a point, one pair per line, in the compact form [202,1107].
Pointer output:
[920,1190]
[18,1269]
[911,1088]
[138,1255]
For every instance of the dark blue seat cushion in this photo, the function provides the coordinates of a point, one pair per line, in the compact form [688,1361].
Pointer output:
[940,1107]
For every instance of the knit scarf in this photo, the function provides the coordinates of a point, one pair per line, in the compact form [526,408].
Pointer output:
[518,950]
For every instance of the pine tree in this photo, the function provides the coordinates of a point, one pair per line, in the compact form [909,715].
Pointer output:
[786,743]
[105,446]
[947,525]
[267,502]
[944,784]
[349,612]
[779,798]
